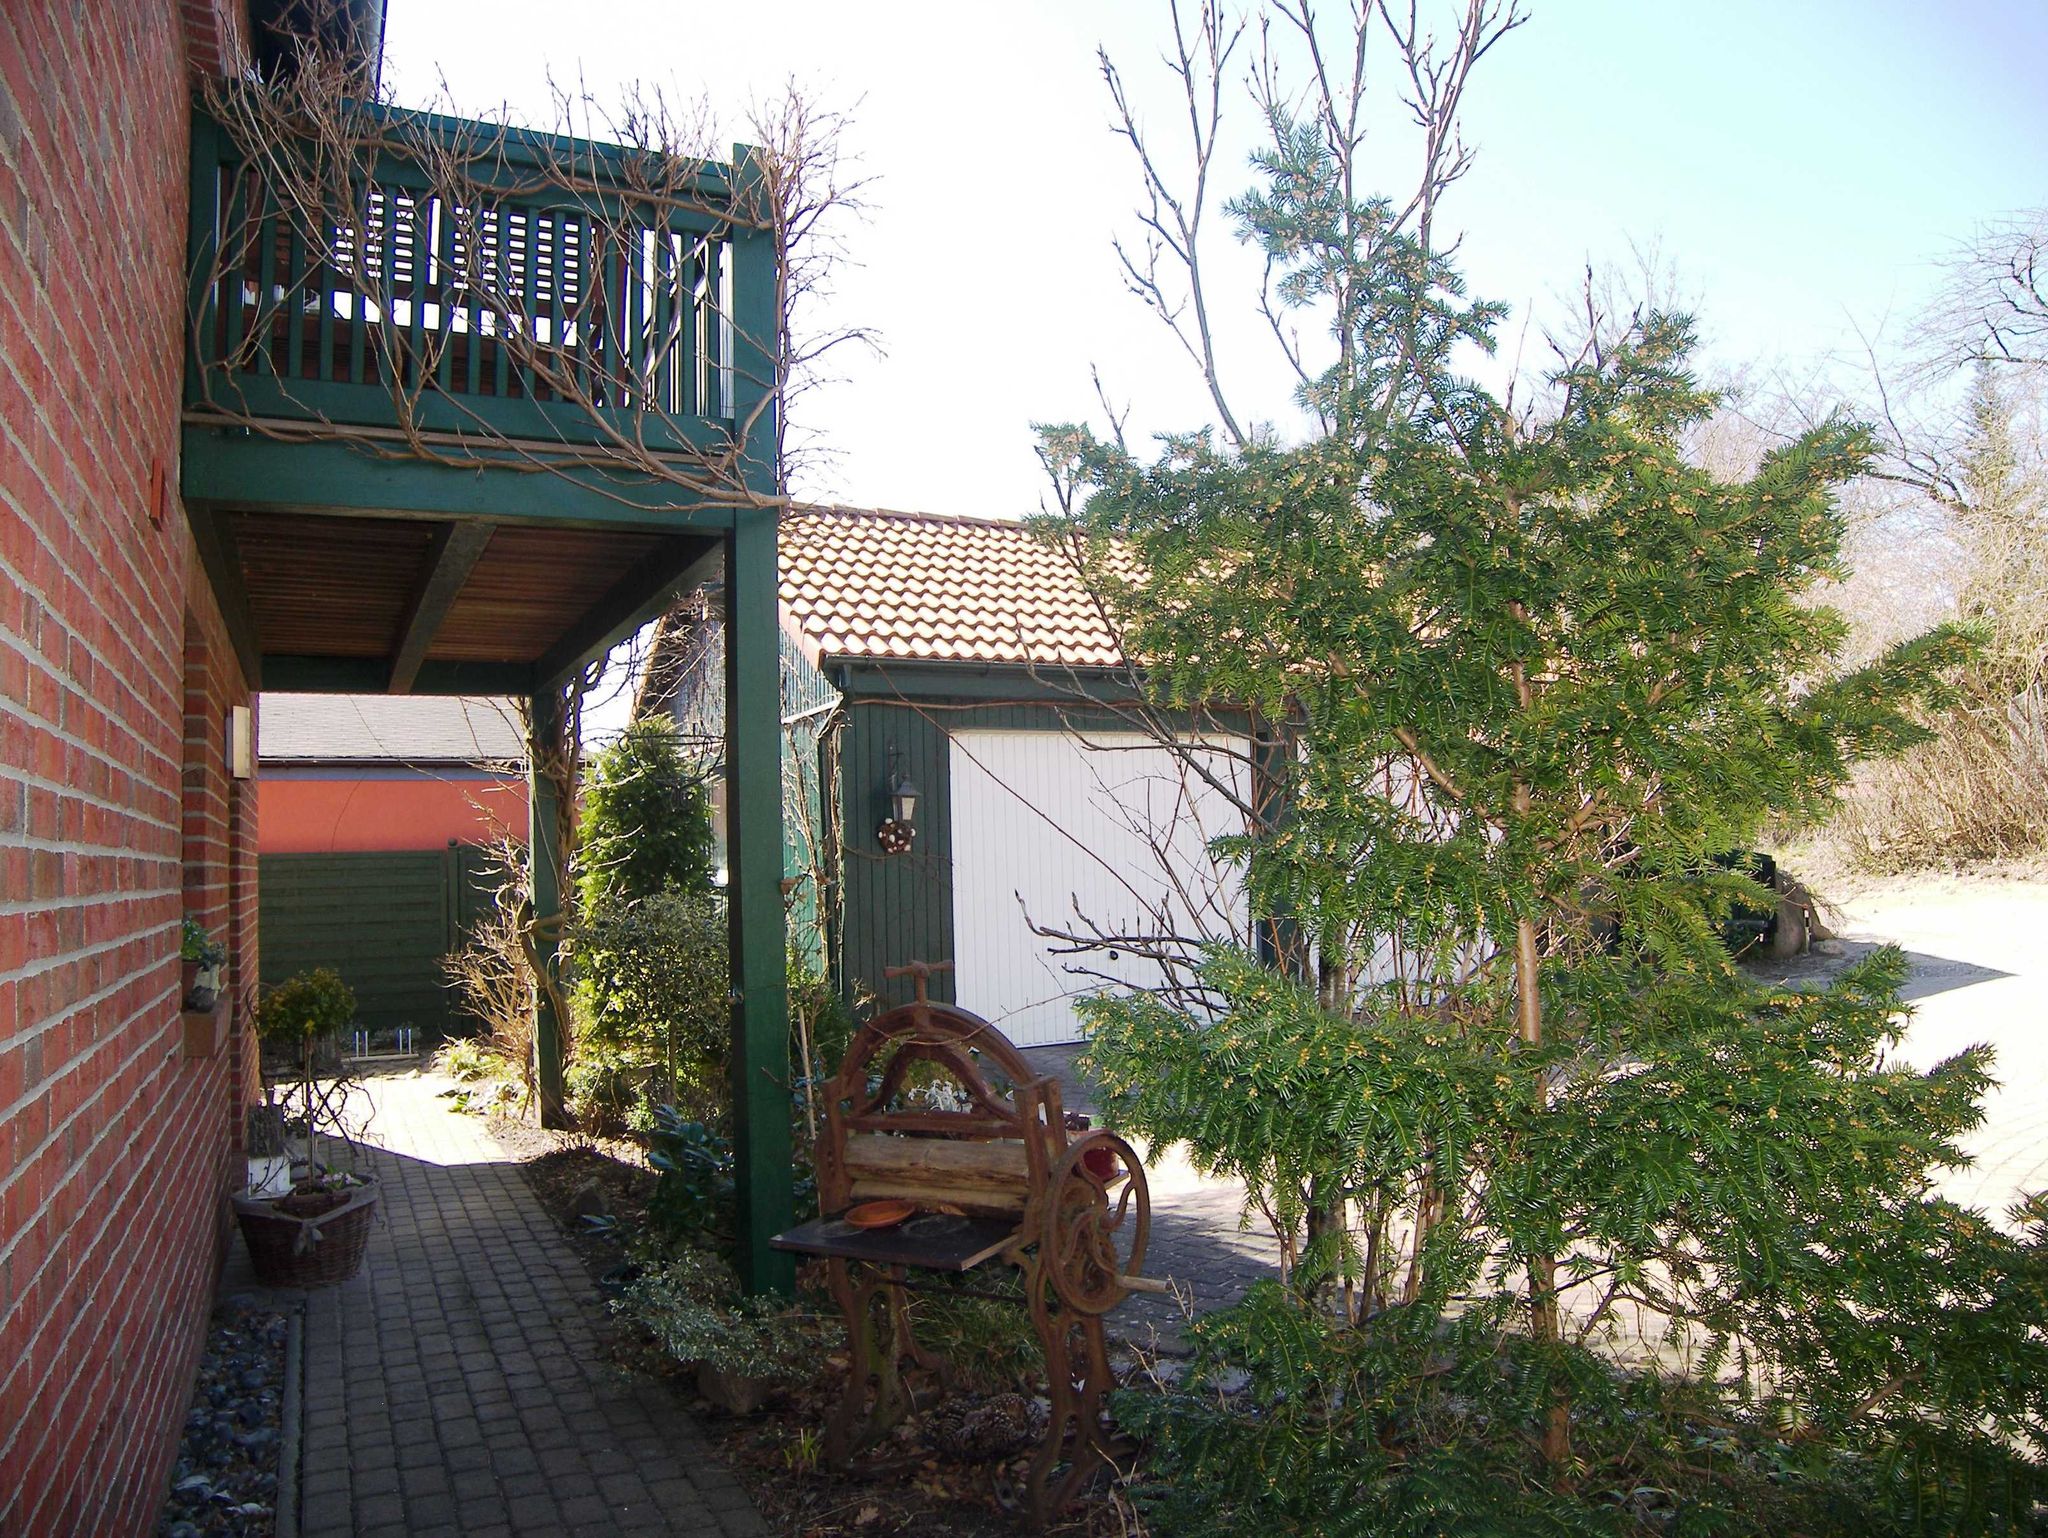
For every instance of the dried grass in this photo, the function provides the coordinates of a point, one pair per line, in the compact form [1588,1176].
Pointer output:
[1977,793]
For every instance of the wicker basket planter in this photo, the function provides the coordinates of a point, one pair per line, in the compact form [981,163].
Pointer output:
[310,1238]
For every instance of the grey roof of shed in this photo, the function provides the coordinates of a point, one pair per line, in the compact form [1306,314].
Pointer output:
[387,729]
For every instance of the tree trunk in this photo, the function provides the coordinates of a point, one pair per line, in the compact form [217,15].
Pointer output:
[1543,1320]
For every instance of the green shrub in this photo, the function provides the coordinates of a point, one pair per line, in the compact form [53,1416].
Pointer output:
[646,824]
[1288,1423]
[472,1062]
[654,1016]
[464,1061]
[693,1194]
[1755,1172]
[649,949]
[692,1304]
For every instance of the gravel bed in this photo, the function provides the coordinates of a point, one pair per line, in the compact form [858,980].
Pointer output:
[225,1480]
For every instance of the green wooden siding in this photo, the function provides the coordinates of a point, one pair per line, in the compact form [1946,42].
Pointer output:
[899,908]
[382,920]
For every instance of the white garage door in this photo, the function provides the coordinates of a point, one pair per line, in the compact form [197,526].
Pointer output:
[1105,834]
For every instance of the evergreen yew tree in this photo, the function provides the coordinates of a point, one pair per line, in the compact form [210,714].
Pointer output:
[1524,677]
[646,819]
[653,1019]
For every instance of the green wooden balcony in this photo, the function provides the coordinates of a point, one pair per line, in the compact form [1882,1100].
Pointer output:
[447,278]
[464,407]
[464,404]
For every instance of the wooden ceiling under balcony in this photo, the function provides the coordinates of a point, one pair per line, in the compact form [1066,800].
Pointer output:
[409,604]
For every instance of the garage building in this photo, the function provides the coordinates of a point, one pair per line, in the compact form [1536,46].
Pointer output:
[962,660]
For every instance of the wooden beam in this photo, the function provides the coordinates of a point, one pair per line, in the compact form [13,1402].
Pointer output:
[756,339]
[450,559]
[674,566]
[369,675]
[224,574]
[544,866]
[233,468]
[759,967]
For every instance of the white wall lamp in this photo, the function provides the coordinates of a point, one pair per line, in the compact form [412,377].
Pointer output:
[241,742]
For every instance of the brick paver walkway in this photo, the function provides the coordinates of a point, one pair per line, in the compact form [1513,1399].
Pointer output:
[456,1386]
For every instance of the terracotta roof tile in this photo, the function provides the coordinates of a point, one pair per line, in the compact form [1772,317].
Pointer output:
[865,584]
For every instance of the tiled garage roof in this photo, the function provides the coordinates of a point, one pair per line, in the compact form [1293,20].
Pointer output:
[910,587]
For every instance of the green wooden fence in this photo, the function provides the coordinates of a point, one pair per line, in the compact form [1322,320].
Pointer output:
[383,921]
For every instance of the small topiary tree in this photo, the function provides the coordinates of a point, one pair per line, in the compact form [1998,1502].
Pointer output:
[654,1018]
[306,1009]
[297,1019]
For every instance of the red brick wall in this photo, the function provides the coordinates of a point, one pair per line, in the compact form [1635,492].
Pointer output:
[218,846]
[114,1148]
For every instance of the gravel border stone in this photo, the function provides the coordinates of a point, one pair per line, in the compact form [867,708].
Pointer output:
[240,1440]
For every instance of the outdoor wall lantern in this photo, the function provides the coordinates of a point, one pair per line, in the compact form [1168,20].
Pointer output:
[899,828]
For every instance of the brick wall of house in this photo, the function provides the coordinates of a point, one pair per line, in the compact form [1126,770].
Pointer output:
[116,812]
[218,836]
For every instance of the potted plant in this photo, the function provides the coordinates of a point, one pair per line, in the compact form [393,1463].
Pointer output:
[314,1232]
[202,957]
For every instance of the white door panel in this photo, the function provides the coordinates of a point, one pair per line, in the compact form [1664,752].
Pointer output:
[1107,833]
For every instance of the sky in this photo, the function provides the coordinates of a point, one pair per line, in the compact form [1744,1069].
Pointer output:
[1796,169]
[1800,165]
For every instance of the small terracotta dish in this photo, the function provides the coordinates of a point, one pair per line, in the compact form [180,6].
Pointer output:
[879,1214]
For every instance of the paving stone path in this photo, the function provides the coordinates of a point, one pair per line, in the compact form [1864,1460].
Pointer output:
[456,1386]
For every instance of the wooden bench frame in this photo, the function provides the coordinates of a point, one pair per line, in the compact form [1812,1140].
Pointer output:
[1079,1204]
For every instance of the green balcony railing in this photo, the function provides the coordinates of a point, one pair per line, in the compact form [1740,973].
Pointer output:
[442,277]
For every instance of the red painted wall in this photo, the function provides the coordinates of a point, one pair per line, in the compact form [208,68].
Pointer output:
[116,812]
[303,816]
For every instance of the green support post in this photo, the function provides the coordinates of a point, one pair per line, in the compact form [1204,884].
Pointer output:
[544,859]
[760,1042]
[753,755]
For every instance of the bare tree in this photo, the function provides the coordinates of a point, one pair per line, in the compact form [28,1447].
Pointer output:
[1954,517]
[1993,306]
[1318,276]
[1166,265]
